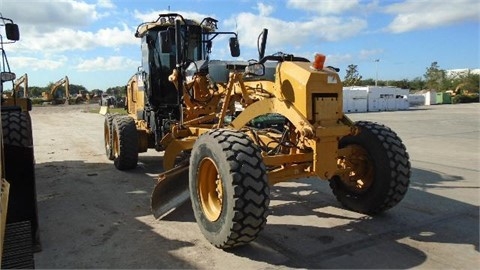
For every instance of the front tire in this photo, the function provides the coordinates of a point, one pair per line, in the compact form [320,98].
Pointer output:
[125,143]
[228,188]
[379,170]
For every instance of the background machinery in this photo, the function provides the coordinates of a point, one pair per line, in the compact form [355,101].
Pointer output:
[213,120]
[19,95]
[81,97]
[20,236]
[59,92]
[20,86]
[461,94]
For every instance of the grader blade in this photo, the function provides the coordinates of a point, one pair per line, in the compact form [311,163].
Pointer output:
[170,192]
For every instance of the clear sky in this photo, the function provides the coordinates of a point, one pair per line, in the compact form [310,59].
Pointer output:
[93,43]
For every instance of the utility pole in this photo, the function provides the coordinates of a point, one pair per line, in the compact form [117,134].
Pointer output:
[376,71]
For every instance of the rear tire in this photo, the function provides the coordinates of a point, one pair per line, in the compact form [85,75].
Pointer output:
[381,169]
[108,135]
[125,143]
[228,188]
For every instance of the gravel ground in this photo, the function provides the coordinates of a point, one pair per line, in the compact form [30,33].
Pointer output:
[94,216]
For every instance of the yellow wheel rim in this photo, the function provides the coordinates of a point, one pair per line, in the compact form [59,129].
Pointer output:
[210,189]
[106,135]
[115,144]
[358,169]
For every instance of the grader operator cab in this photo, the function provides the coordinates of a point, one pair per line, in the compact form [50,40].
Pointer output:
[200,112]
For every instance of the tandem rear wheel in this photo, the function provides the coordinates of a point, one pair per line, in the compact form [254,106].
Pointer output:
[124,143]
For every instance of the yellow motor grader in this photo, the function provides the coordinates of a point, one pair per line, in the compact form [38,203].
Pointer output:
[231,129]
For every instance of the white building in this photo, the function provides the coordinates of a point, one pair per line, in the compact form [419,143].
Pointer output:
[355,100]
[452,73]
[374,98]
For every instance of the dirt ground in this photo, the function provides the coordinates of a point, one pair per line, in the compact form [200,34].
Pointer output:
[94,216]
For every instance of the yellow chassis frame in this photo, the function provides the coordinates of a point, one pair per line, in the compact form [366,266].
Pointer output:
[319,154]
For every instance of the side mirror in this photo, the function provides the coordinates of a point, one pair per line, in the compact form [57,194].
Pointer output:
[12,31]
[7,76]
[234,47]
[263,43]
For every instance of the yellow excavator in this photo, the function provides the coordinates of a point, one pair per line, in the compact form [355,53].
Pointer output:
[56,95]
[462,94]
[18,90]
[19,95]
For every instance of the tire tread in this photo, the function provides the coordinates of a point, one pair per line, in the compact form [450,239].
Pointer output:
[250,185]
[399,166]
[128,143]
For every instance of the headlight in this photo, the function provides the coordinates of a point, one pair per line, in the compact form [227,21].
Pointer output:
[255,69]
[8,76]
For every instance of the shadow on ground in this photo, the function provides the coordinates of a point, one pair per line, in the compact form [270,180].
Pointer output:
[89,218]
[99,207]
[361,241]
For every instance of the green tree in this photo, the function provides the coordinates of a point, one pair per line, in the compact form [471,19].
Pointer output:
[417,84]
[117,91]
[352,77]
[404,84]
[74,89]
[96,92]
[466,81]
[435,77]
[35,91]
[367,82]
[382,83]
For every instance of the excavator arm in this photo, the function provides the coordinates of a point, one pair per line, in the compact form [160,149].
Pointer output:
[63,82]
[18,83]
[50,96]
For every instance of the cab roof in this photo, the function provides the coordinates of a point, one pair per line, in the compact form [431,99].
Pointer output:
[165,20]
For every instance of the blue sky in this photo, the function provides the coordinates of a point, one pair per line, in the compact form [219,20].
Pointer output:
[93,43]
